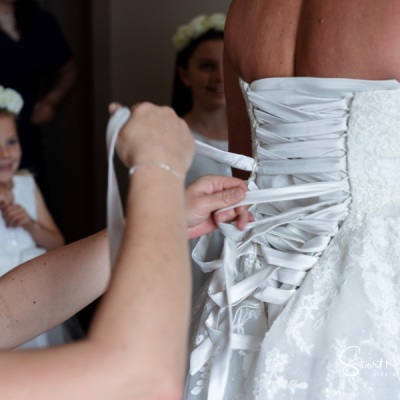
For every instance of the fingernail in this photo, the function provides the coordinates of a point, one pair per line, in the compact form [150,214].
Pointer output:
[222,218]
[226,216]
[112,107]
[237,194]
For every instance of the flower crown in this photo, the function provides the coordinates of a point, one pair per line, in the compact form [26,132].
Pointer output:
[10,100]
[197,27]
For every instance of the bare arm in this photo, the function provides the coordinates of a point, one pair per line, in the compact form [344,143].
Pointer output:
[47,290]
[125,353]
[137,343]
[45,108]
[136,346]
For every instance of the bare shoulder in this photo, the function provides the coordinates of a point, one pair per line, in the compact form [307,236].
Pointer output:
[260,37]
[330,38]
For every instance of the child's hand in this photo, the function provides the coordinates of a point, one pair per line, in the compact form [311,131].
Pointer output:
[14,215]
[6,197]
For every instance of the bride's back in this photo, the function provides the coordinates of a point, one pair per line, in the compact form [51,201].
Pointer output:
[324,38]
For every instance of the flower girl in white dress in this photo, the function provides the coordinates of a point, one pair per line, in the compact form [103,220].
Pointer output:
[27,229]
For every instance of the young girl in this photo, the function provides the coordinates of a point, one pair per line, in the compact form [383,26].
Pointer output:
[199,98]
[26,226]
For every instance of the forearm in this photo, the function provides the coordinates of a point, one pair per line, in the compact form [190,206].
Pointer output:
[43,236]
[150,324]
[47,290]
[65,80]
[137,343]
[136,346]
[81,370]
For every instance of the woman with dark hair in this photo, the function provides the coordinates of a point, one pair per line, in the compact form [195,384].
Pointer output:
[198,93]
[37,62]
[199,98]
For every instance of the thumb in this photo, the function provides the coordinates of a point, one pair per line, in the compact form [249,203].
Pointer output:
[224,198]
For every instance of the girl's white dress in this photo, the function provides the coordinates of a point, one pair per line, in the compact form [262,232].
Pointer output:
[304,304]
[17,246]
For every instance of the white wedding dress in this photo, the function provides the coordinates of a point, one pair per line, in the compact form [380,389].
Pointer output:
[304,304]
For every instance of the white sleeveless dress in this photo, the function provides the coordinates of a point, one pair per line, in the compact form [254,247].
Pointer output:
[304,304]
[17,246]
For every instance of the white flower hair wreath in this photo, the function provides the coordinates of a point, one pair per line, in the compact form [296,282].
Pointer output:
[10,100]
[197,27]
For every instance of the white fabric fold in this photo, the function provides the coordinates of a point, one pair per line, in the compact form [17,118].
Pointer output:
[115,217]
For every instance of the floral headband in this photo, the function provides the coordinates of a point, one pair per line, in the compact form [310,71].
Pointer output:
[197,27]
[10,100]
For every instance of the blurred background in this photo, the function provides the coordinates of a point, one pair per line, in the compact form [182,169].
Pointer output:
[124,52]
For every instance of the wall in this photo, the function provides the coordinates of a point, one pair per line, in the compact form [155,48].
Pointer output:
[142,52]
[68,140]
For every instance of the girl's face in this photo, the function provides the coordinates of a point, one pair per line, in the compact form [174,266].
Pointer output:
[10,150]
[204,75]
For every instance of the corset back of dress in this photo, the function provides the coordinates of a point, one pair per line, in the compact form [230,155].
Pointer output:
[314,151]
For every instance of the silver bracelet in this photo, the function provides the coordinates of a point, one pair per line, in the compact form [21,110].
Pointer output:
[161,165]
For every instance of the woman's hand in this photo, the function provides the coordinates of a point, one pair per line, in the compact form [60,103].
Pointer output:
[155,134]
[210,193]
